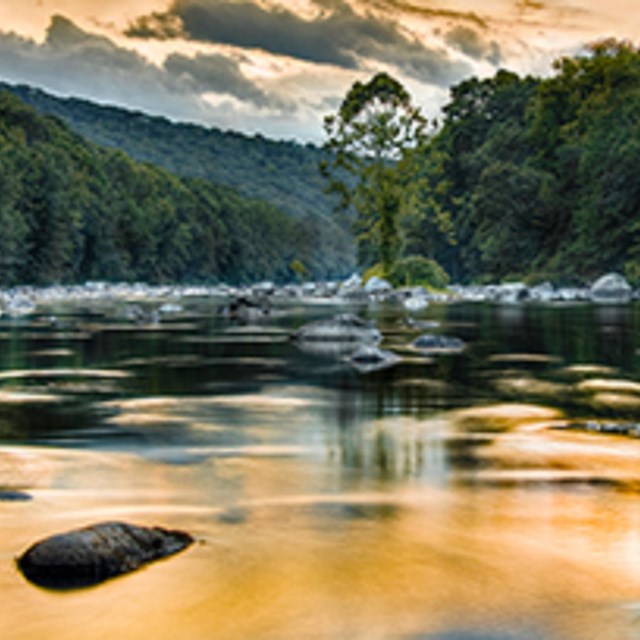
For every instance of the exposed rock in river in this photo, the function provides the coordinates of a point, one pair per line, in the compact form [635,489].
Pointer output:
[91,555]
[339,329]
[368,358]
[629,429]
[611,288]
[416,299]
[433,343]
[247,308]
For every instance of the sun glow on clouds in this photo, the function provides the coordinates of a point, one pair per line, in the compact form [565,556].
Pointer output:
[279,67]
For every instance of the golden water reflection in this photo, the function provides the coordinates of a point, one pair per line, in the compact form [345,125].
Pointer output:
[370,533]
[437,500]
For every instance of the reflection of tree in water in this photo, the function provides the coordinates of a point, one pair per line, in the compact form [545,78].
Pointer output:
[374,449]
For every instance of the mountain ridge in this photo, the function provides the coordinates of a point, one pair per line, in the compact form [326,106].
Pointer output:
[71,211]
[281,172]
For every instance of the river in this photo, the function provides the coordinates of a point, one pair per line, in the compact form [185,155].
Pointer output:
[439,499]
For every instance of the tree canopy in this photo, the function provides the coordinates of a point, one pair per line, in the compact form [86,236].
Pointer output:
[537,177]
[72,211]
[368,139]
[524,178]
[282,173]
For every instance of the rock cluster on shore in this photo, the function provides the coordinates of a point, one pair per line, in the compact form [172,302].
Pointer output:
[255,302]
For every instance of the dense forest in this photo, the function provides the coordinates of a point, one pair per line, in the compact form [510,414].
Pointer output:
[73,211]
[284,173]
[522,178]
[533,178]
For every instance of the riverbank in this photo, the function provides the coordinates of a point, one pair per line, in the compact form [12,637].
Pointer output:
[23,300]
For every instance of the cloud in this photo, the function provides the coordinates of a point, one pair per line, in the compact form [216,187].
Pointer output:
[429,12]
[530,5]
[219,74]
[73,61]
[337,35]
[158,26]
[473,44]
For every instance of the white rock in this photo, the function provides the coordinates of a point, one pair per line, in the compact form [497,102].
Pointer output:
[611,287]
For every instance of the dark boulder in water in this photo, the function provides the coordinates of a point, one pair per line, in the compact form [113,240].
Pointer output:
[88,556]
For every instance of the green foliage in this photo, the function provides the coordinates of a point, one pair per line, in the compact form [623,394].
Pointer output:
[632,272]
[301,272]
[71,211]
[418,270]
[373,132]
[281,173]
[374,271]
[525,178]
[530,176]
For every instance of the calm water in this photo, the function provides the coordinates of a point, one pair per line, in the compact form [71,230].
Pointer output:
[439,499]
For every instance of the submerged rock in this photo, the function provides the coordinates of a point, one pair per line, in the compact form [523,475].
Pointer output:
[431,342]
[611,288]
[88,556]
[169,308]
[422,324]
[628,429]
[247,309]
[339,329]
[416,300]
[138,315]
[11,495]
[367,359]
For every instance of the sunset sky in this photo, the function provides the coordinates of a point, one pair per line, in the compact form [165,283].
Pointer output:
[278,67]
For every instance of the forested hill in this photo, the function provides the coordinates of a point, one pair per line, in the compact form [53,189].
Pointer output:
[73,211]
[282,173]
[536,178]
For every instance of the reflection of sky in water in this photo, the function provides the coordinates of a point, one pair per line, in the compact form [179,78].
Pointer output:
[427,500]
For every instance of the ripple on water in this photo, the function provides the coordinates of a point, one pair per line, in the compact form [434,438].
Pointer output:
[20,398]
[579,370]
[503,417]
[458,634]
[18,374]
[53,353]
[524,358]
[609,385]
[530,386]
[195,409]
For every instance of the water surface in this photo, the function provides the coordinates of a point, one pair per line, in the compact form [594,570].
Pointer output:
[438,499]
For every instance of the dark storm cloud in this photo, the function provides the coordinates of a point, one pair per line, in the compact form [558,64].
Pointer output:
[73,61]
[157,26]
[473,44]
[218,74]
[337,36]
